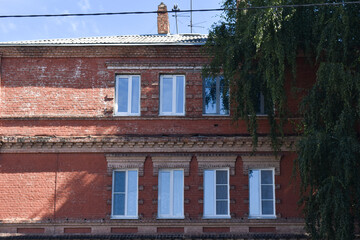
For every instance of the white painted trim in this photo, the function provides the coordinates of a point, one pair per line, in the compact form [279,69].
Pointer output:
[125,216]
[218,216]
[129,106]
[173,110]
[218,96]
[171,195]
[264,216]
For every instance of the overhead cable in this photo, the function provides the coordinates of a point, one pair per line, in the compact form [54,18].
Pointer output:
[178,11]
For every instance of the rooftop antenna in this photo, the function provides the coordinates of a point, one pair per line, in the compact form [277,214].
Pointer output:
[176,9]
[191,25]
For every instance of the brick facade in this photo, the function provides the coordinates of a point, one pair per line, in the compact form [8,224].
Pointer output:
[60,142]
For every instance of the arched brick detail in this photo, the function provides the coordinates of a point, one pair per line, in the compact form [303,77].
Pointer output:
[208,161]
[125,161]
[261,161]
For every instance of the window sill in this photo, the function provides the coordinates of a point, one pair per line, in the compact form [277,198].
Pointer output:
[216,217]
[215,115]
[164,218]
[123,217]
[126,115]
[262,217]
[171,115]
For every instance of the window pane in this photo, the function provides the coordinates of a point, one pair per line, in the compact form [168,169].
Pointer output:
[268,207]
[216,100]
[210,82]
[122,94]
[132,193]
[119,181]
[266,192]
[164,197]
[119,204]
[180,94]
[209,102]
[178,192]
[254,192]
[221,192]
[135,94]
[209,200]
[266,177]
[221,207]
[166,97]
[221,177]
[260,106]
[224,100]
[210,95]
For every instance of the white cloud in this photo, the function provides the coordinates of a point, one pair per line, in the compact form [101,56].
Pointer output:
[7,27]
[74,26]
[84,5]
[96,29]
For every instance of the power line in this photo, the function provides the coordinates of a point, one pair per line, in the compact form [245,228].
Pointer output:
[173,11]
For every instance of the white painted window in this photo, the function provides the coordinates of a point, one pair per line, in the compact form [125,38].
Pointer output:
[215,96]
[171,193]
[172,95]
[125,194]
[216,193]
[262,193]
[127,98]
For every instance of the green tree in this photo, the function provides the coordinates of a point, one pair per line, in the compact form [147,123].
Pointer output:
[254,49]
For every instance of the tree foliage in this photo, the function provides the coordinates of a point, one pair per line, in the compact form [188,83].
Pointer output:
[254,49]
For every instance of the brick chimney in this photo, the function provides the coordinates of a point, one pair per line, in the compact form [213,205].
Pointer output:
[163,19]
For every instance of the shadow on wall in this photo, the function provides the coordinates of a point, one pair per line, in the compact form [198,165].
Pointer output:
[53,187]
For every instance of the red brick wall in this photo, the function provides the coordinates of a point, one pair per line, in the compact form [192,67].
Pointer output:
[30,183]
[68,91]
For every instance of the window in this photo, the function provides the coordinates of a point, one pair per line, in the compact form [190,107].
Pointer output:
[216,193]
[260,107]
[125,194]
[172,95]
[127,95]
[215,97]
[171,194]
[262,193]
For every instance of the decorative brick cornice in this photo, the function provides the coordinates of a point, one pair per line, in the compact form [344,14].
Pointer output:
[125,161]
[101,51]
[138,144]
[171,161]
[216,160]
[158,65]
[261,161]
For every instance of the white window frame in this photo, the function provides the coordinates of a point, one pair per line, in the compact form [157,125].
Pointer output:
[224,216]
[263,216]
[171,194]
[125,216]
[130,81]
[173,112]
[218,79]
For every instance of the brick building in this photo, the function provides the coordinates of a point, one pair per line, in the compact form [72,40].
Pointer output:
[119,135]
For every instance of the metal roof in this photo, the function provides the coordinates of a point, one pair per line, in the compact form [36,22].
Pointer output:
[155,39]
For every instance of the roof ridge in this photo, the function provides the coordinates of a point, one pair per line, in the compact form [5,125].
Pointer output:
[145,39]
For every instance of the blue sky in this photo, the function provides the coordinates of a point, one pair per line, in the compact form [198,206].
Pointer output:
[14,29]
